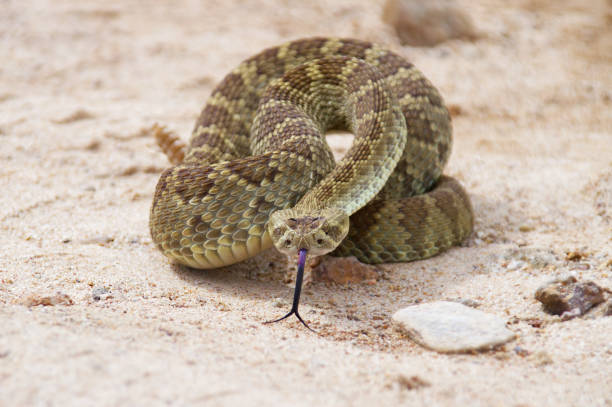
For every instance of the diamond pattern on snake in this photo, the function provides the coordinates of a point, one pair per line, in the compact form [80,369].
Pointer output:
[258,171]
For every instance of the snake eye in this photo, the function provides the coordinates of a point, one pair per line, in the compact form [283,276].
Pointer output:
[287,242]
[319,241]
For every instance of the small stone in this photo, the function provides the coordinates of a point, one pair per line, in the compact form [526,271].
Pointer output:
[100,293]
[101,240]
[568,297]
[452,327]
[535,257]
[541,259]
[427,23]
[465,301]
[50,300]
[412,382]
[540,358]
[522,352]
[535,322]
[581,266]
[455,110]
[607,310]
[521,242]
[80,114]
[344,270]
[516,265]
[575,255]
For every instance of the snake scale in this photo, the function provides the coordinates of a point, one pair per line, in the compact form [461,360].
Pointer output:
[258,172]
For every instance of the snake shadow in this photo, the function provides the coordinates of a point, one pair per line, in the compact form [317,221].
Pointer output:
[399,285]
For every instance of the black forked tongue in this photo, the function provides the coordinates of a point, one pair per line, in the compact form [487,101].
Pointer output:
[296,292]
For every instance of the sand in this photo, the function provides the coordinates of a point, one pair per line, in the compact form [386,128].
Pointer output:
[81,82]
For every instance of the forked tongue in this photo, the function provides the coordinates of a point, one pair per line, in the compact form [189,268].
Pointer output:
[297,291]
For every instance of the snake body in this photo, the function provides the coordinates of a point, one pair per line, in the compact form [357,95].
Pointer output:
[258,171]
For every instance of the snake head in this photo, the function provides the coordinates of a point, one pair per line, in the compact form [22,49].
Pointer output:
[319,232]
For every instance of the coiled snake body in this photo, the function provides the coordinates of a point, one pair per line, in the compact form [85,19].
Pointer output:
[258,171]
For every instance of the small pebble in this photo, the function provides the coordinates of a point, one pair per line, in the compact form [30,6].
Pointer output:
[522,352]
[100,293]
[568,297]
[575,255]
[607,311]
[101,240]
[427,23]
[516,265]
[344,270]
[452,327]
[540,358]
[411,382]
[50,300]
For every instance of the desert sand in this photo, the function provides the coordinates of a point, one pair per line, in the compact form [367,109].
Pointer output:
[81,84]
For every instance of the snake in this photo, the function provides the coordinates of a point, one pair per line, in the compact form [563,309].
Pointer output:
[258,172]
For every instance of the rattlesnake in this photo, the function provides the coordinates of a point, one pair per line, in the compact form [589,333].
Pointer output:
[259,172]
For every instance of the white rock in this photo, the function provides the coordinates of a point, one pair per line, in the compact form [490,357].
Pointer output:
[516,265]
[446,326]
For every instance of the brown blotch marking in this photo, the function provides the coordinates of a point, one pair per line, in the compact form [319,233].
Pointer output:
[162,186]
[445,203]
[184,173]
[193,182]
[390,64]
[299,147]
[269,64]
[279,114]
[231,87]
[246,168]
[199,155]
[331,69]
[421,88]
[443,150]
[354,48]
[416,214]
[223,118]
[298,80]
[371,101]
[358,77]
[418,129]
[363,222]
[311,47]
[415,87]
[370,128]
[212,114]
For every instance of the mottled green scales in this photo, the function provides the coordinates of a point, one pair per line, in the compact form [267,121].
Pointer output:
[259,172]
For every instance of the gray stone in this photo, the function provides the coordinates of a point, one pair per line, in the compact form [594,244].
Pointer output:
[452,327]
[100,293]
[607,310]
[427,23]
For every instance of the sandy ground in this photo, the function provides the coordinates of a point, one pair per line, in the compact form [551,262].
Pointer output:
[81,81]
